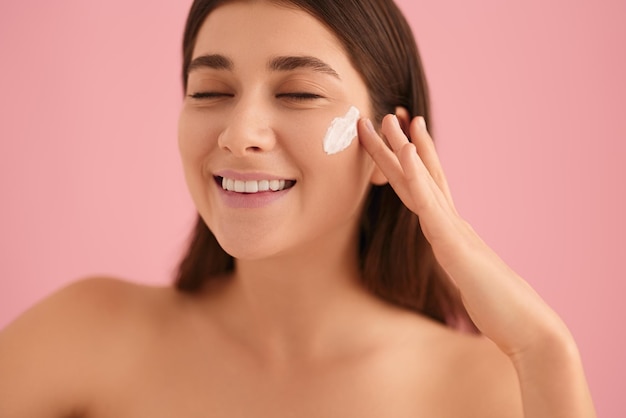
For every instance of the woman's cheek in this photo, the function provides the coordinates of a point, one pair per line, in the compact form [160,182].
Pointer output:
[341,132]
[303,136]
[194,135]
[324,133]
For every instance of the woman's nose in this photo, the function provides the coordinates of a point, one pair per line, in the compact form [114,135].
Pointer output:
[248,130]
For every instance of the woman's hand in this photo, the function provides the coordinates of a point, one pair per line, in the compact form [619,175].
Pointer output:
[501,304]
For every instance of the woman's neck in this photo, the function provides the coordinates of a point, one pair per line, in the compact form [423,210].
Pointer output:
[306,304]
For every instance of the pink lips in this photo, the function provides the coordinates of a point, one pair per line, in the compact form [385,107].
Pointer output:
[259,199]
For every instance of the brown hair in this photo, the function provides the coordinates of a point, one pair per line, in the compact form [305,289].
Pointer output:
[397,262]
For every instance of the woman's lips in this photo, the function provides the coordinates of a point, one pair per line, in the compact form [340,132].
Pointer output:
[238,192]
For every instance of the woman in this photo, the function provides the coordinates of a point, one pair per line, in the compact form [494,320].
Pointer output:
[317,283]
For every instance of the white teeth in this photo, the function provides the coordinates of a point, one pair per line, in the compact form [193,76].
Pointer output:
[253,186]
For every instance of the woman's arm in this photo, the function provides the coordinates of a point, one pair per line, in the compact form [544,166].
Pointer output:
[503,306]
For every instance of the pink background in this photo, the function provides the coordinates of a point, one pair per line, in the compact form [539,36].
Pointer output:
[529,100]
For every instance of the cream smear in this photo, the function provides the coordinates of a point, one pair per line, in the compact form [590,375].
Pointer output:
[341,132]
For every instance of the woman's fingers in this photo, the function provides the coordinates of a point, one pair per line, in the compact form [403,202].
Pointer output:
[428,154]
[393,132]
[418,180]
[423,144]
[382,155]
[402,165]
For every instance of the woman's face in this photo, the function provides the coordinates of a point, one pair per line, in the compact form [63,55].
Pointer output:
[264,85]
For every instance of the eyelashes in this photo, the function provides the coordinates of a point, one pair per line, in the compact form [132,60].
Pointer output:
[295,96]
[300,96]
[209,95]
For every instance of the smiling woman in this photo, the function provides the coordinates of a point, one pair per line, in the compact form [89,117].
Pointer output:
[315,284]
[305,85]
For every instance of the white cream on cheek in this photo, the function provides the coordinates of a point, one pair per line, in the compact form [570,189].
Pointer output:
[341,132]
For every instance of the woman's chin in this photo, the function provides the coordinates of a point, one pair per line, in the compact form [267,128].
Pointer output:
[247,250]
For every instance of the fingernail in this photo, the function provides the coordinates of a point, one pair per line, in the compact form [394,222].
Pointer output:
[396,121]
[370,127]
[421,122]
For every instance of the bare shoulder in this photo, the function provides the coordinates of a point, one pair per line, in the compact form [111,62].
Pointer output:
[491,382]
[463,374]
[82,307]
[50,355]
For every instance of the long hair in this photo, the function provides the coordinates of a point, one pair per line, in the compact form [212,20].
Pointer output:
[396,261]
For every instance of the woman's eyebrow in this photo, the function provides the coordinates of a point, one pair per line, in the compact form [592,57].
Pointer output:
[290,63]
[214,61]
[281,63]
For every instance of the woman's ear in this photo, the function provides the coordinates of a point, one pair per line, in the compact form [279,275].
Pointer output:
[404,118]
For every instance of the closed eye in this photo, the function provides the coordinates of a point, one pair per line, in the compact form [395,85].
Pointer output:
[299,96]
[209,95]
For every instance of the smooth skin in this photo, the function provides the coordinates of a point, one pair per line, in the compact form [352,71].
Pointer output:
[292,333]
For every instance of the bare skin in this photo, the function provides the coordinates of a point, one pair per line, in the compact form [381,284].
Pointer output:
[292,333]
[106,348]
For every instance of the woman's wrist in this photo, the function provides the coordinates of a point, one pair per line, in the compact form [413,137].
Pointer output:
[551,341]
[551,377]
